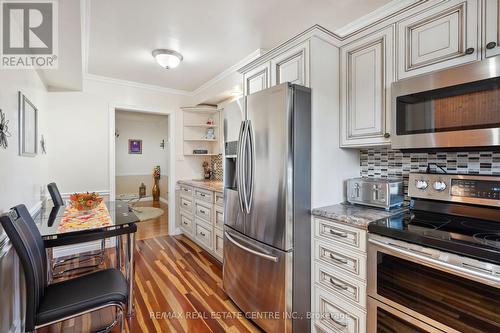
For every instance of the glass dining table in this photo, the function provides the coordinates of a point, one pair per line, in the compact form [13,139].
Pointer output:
[110,219]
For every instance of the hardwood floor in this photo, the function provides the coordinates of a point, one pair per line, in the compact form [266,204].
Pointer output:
[155,227]
[178,289]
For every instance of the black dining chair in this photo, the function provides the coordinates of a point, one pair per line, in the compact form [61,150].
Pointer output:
[47,304]
[55,194]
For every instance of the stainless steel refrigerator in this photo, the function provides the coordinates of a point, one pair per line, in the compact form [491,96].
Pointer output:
[267,185]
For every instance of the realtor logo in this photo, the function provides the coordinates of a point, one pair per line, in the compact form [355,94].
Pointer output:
[29,34]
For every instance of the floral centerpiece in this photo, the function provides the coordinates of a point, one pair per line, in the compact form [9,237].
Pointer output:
[156,172]
[85,202]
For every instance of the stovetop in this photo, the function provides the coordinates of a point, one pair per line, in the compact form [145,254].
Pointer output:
[471,237]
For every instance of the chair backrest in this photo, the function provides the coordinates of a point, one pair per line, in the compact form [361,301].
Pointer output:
[55,194]
[28,243]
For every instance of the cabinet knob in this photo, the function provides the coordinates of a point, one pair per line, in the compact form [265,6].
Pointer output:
[470,50]
[387,135]
[491,45]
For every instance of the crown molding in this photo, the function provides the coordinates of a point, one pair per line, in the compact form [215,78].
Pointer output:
[251,57]
[382,13]
[104,79]
[315,30]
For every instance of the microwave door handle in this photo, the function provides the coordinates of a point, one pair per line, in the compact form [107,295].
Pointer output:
[251,164]
[462,270]
[239,165]
[244,248]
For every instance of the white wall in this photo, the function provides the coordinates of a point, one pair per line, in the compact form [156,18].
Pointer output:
[79,123]
[22,179]
[151,129]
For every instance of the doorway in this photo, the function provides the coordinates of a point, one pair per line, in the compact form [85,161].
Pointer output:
[141,168]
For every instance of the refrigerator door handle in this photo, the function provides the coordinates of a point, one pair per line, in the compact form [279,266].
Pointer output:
[251,173]
[243,167]
[239,166]
[257,253]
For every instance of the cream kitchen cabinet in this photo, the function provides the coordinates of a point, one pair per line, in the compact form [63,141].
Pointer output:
[291,66]
[339,275]
[367,71]
[257,79]
[491,33]
[443,36]
[200,212]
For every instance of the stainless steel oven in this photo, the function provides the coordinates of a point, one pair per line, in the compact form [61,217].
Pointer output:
[453,108]
[419,289]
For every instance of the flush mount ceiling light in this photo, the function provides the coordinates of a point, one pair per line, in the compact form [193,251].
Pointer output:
[167,58]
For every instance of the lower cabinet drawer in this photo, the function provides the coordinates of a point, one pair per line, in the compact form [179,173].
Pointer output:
[204,195]
[186,204]
[219,216]
[186,190]
[219,199]
[219,243]
[203,233]
[342,258]
[333,314]
[340,234]
[203,210]
[186,223]
[340,284]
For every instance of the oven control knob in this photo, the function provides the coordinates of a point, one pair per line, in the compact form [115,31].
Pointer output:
[439,186]
[421,184]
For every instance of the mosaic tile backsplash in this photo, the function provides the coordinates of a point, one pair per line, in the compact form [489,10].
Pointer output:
[217,168]
[388,163]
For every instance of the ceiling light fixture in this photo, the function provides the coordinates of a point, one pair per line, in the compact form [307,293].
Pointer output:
[167,58]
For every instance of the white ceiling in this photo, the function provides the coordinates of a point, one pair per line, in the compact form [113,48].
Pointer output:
[211,35]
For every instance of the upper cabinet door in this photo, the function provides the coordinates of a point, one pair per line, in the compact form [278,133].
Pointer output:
[443,36]
[491,28]
[367,71]
[291,66]
[257,79]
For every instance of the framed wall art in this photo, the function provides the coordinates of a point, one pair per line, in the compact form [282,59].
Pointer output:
[28,127]
[134,146]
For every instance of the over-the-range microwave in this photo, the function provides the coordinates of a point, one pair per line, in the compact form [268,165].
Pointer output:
[453,108]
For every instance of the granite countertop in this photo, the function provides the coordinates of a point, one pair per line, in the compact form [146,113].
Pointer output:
[210,185]
[354,215]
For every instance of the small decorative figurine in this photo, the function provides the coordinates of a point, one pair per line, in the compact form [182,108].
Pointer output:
[210,134]
[4,131]
[207,172]
[142,190]
[210,121]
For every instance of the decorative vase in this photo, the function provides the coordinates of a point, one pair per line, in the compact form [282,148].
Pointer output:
[156,190]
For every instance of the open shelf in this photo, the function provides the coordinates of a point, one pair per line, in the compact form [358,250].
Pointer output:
[195,129]
[201,125]
[201,154]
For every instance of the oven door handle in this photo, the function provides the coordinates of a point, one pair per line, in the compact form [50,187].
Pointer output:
[464,270]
